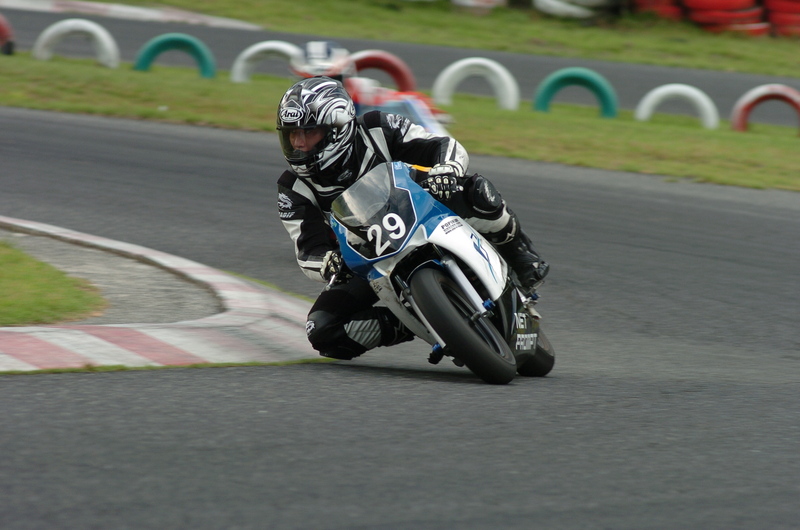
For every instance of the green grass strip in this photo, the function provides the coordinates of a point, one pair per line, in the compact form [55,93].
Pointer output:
[669,145]
[32,292]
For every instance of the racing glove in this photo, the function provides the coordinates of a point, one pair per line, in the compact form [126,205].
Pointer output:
[442,181]
[334,270]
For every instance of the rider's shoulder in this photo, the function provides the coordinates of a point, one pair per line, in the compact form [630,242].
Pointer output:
[371,119]
[287,178]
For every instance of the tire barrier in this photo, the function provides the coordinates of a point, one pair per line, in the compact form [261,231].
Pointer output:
[782,6]
[181,42]
[389,63]
[504,84]
[584,77]
[745,104]
[6,37]
[752,15]
[709,116]
[596,4]
[245,63]
[754,29]
[581,9]
[561,9]
[481,7]
[105,47]
[720,5]
[669,9]
[502,81]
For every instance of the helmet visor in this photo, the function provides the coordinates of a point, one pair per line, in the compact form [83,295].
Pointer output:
[301,144]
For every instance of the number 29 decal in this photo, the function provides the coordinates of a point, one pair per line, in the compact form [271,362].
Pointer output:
[394,227]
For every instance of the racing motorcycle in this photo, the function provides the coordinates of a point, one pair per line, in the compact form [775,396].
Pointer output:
[439,276]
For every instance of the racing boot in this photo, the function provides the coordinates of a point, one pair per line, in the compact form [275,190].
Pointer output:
[499,224]
[392,330]
[523,259]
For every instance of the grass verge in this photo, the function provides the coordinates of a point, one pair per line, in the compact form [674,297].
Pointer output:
[671,145]
[32,292]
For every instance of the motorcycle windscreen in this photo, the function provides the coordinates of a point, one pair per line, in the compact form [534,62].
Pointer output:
[376,214]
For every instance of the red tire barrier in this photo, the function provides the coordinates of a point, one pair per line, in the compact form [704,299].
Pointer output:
[720,5]
[738,16]
[6,36]
[389,63]
[786,30]
[669,9]
[783,6]
[746,103]
[670,12]
[784,19]
[756,29]
[644,4]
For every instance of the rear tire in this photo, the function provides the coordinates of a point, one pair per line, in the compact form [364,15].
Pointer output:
[542,361]
[479,345]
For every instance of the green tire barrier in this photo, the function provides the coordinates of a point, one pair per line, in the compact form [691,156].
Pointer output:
[181,42]
[584,77]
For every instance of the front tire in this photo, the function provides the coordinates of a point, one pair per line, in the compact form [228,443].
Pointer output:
[478,344]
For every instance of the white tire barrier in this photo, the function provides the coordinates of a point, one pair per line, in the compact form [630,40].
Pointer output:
[105,47]
[504,84]
[245,63]
[709,116]
[479,6]
[746,103]
[560,9]
[595,4]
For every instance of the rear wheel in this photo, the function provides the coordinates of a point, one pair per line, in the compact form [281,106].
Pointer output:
[542,360]
[477,343]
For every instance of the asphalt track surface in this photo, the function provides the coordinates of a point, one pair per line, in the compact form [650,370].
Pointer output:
[673,404]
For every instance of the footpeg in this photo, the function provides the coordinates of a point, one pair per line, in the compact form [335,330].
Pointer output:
[437,354]
[529,302]
[533,312]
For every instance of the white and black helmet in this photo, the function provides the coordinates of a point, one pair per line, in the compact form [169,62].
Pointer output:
[311,103]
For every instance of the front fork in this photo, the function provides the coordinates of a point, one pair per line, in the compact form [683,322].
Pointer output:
[482,307]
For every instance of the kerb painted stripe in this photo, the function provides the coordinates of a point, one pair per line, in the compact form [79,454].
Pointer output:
[144,345]
[39,353]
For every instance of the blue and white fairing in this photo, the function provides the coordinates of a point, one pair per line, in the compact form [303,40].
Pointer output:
[385,215]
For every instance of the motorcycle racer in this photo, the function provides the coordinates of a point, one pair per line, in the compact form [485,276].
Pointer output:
[327,149]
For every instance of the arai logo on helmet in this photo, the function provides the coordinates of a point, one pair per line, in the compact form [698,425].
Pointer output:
[290,114]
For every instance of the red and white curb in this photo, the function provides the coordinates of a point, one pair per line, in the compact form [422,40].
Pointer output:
[128,12]
[258,324]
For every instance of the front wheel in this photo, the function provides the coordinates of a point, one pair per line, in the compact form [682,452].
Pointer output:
[475,342]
